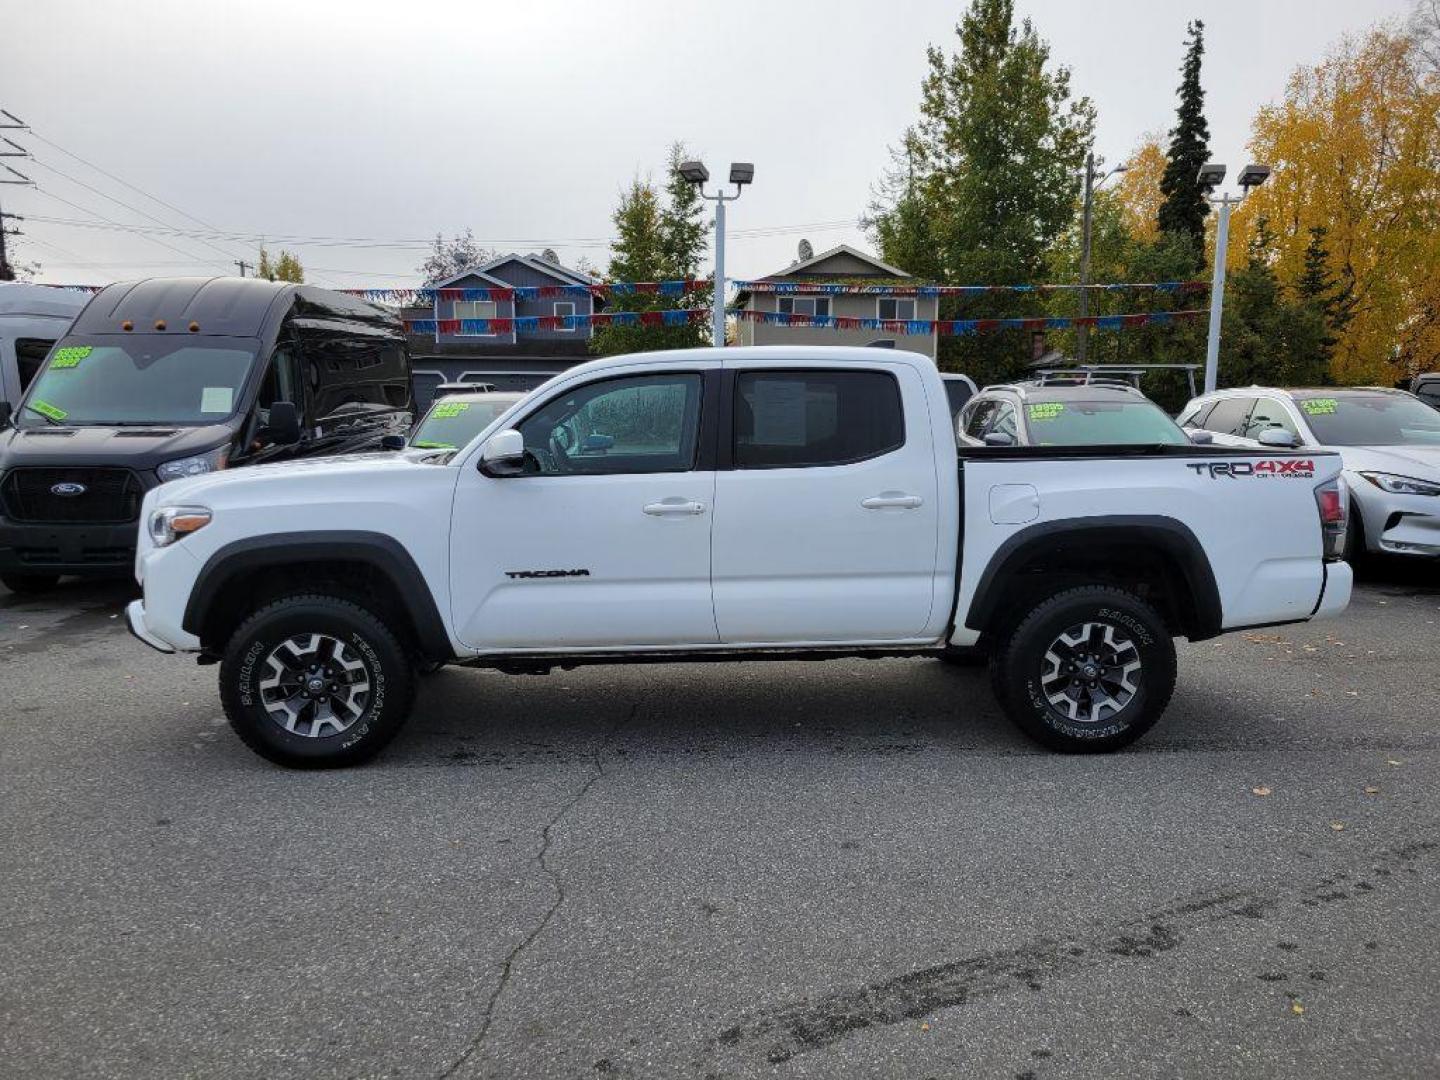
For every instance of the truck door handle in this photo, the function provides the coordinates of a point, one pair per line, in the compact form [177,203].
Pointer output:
[888,500]
[675,506]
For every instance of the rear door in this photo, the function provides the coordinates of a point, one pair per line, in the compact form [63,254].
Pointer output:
[826,507]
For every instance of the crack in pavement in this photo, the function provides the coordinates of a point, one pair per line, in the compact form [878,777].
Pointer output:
[508,967]
[782,1032]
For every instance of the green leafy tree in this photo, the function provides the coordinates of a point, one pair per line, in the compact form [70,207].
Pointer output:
[991,176]
[286,267]
[657,239]
[1184,207]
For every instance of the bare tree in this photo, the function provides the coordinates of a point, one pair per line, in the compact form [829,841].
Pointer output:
[1425,29]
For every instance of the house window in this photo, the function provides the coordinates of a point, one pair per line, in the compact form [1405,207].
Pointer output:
[474,309]
[803,305]
[895,307]
[562,309]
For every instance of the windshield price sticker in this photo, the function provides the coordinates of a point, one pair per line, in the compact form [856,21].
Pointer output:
[1046,410]
[448,410]
[44,408]
[70,356]
[1320,406]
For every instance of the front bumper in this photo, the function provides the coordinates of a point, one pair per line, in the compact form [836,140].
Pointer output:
[90,550]
[135,620]
[1397,524]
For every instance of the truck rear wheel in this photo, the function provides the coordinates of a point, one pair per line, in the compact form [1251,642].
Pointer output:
[1088,670]
[315,682]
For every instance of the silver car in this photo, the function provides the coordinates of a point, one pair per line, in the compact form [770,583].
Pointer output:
[1389,441]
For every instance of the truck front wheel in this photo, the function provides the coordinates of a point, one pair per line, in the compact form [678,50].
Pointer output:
[1088,670]
[315,682]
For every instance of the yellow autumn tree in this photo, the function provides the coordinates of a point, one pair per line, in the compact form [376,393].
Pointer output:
[1355,146]
[1139,189]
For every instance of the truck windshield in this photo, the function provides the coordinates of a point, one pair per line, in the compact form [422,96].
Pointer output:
[1351,419]
[147,379]
[1101,423]
[451,424]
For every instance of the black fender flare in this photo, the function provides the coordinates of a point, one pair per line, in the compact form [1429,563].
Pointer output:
[1172,537]
[377,550]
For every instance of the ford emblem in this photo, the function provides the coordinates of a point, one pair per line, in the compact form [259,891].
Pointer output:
[68,490]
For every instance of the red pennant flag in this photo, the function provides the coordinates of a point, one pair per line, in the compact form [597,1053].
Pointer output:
[448,326]
[652,318]
[502,326]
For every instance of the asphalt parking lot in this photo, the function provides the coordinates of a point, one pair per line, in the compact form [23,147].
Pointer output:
[849,868]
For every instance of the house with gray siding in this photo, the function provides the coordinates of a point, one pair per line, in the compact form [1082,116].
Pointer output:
[519,359]
[841,265]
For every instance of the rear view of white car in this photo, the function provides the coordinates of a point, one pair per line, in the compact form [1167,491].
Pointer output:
[1389,441]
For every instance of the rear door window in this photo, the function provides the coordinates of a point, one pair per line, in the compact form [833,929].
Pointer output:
[1269,413]
[813,418]
[1230,416]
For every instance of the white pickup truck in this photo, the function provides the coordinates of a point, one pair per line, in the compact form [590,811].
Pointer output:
[744,504]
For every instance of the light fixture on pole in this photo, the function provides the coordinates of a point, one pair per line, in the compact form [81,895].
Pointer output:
[1082,332]
[1212,176]
[741,173]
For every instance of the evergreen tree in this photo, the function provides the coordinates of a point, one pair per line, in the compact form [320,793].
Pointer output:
[1185,207]
[995,159]
[1318,289]
[684,231]
[1266,338]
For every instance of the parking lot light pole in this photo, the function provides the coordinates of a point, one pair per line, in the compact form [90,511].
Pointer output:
[741,173]
[1087,214]
[1212,176]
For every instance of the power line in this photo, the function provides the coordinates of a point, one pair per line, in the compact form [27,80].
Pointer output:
[421,244]
[84,210]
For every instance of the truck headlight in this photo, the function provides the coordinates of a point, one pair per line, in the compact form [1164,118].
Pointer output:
[194,466]
[1401,485]
[171,523]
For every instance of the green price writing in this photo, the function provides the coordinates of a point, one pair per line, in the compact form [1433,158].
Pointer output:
[1320,406]
[70,356]
[1046,410]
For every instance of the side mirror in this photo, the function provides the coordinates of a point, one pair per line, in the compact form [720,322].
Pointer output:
[392,442]
[284,426]
[1279,438]
[1201,438]
[999,438]
[503,454]
[4,413]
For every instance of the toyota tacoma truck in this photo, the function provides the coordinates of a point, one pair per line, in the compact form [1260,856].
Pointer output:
[730,504]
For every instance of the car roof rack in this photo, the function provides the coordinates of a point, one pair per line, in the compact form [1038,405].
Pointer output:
[1103,374]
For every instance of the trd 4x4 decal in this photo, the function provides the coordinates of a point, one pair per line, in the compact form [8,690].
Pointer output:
[1297,468]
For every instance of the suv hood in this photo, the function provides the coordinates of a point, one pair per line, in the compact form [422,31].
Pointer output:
[1421,462]
[137,447]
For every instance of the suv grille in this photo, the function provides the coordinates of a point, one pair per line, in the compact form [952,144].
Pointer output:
[108,496]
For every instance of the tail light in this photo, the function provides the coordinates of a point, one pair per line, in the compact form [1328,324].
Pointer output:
[1334,517]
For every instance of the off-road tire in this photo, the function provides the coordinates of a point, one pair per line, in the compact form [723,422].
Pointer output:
[29,584]
[388,671]
[1018,669]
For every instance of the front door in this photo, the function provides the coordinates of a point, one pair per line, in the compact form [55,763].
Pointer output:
[605,541]
[826,522]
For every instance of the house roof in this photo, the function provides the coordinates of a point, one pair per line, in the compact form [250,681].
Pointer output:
[842,249]
[473,271]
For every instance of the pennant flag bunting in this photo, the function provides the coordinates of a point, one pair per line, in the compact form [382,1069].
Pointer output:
[823,289]
[600,290]
[533,323]
[962,327]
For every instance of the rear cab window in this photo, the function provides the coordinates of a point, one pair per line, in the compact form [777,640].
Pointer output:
[814,417]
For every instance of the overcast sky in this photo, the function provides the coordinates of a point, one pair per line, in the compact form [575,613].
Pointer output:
[387,122]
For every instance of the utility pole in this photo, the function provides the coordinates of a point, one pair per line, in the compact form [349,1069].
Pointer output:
[1087,217]
[243,265]
[11,149]
[1082,332]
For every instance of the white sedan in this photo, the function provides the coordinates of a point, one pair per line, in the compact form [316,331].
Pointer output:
[1388,439]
